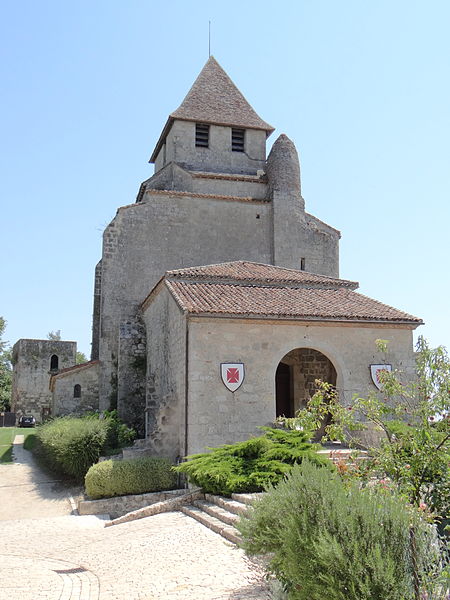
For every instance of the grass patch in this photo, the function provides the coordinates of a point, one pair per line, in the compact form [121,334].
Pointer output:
[5,454]
[7,435]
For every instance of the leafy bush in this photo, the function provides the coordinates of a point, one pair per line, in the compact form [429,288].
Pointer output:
[70,445]
[329,540]
[251,465]
[413,419]
[118,435]
[133,476]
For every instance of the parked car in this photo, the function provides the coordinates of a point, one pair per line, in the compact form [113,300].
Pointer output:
[27,421]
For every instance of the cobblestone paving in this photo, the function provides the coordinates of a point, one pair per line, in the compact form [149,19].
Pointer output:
[167,556]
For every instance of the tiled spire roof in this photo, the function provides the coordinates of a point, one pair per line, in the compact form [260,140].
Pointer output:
[214,98]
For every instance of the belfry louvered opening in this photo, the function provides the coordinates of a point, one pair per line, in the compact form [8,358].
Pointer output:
[237,140]
[201,135]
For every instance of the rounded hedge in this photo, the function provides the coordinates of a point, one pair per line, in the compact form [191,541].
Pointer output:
[71,445]
[131,476]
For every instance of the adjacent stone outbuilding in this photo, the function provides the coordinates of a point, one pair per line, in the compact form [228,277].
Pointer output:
[34,362]
[262,317]
[75,389]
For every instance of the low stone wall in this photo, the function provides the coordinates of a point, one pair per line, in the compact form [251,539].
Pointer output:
[120,505]
[170,505]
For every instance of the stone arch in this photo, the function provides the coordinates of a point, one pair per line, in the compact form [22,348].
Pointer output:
[54,362]
[77,390]
[295,378]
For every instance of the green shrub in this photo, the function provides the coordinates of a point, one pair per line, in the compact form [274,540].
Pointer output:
[118,435]
[133,476]
[30,441]
[252,465]
[329,540]
[70,445]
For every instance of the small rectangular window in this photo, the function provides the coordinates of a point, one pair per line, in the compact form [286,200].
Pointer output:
[302,264]
[237,140]
[201,135]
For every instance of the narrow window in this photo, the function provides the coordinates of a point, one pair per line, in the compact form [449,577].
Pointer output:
[54,361]
[201,135]
[302,264]
[237,140]
[77,391]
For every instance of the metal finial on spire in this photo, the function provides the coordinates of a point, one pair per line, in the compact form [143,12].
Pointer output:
[209,39]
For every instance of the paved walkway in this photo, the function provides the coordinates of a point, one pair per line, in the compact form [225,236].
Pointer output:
[26,491]
[52,557]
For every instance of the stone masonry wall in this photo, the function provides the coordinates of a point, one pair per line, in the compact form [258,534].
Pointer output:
[217,416]
[96,311]
[162,233]
[180,148]
[63,400]
[165,404]
[132,367]
[31,374]
[307,365]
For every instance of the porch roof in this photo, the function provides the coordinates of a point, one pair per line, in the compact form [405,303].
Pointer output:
[245,289]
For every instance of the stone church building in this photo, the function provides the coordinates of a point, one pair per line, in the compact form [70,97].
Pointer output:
[217,300]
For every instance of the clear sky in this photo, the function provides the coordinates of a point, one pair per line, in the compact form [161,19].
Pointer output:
[362,88]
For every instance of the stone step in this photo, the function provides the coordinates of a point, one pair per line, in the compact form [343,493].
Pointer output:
[227,531]
[216,511]
[248,499]
[232,506]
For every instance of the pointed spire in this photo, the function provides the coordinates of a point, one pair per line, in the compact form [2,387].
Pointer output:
[214,98]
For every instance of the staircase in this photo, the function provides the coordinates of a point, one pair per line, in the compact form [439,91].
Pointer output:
[221,514]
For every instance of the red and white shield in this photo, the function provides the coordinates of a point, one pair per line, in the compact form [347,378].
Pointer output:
[375,371]
[232,375]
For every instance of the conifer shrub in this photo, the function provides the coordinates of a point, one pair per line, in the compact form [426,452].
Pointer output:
[132,476]
[70,445]
[326,539]
[252,465]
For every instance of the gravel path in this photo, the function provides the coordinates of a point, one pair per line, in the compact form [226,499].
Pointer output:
[169,556]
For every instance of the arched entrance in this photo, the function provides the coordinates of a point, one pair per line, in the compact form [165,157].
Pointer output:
[295,379]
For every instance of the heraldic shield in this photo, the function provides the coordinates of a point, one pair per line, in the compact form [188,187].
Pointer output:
[375,371]
[232,375]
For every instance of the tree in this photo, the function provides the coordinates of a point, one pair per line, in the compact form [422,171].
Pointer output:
[413,419]
[5,370]
[54,335]
[80,358]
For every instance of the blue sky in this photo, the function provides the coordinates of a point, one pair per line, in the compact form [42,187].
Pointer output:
[363,89]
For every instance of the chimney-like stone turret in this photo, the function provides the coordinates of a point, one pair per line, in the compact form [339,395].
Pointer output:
[288,206]
[283,170]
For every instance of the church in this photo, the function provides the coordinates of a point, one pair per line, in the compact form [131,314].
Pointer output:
[217,300]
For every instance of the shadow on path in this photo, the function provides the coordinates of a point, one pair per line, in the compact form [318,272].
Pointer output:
[27,491]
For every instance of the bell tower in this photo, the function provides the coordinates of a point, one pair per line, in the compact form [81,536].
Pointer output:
[214,129]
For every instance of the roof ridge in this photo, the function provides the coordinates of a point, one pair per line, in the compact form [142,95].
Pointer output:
[258,283]
[293,275]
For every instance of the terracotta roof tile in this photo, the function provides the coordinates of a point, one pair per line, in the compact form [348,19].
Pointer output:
[253,272]
[214,98]
[79,367]
[280,301]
